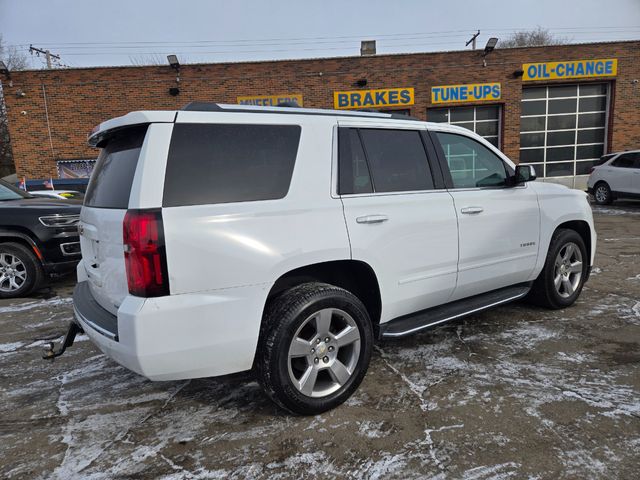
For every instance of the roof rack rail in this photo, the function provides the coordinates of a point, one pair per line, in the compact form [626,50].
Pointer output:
[290,109]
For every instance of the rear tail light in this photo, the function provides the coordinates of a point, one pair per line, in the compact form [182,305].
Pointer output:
[144,253]
[591,170]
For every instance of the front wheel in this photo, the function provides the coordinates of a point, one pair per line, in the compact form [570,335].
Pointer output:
[315,347]
[564,273]
[20,271]
[602,194]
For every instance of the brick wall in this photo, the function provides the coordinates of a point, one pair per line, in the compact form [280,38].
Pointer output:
[78,99]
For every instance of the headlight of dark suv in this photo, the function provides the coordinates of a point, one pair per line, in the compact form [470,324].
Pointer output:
[60,221]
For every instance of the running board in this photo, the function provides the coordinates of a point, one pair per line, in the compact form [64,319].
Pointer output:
[415,322]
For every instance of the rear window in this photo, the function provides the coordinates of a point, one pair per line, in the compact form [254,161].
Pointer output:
[217,163]
[110,184]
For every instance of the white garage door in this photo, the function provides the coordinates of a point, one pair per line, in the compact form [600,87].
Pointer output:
[563,130]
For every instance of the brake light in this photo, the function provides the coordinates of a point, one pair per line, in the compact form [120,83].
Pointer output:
[144,253]
[591,170]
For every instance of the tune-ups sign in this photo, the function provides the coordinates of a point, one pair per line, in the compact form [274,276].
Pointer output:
[475,92]
[570,69]
[381,98]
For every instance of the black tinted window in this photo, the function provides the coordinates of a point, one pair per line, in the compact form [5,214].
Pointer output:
[110,184]
[353,170]
[624,161]
[397,160]
[229,163]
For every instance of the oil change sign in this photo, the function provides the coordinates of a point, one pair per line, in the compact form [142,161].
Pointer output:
[380,98]
[474,92]
[271,100]
[570,69]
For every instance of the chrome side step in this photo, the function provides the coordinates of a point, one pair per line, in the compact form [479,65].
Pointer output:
[415,322]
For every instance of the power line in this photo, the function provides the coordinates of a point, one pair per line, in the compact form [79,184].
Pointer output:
[618,28]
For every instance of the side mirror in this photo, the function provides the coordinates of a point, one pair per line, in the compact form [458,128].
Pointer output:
[524,173]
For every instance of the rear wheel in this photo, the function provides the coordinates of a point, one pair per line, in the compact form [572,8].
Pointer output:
[565,270]
[20,271]
[602,194]
[315,348]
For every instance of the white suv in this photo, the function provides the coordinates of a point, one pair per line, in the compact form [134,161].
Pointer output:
[617,177]
[223,238]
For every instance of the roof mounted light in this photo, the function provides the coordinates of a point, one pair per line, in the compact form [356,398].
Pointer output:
[173,61]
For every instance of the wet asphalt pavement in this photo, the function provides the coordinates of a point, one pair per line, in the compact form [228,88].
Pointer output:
[516,392]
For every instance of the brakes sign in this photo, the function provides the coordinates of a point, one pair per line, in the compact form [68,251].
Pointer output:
[380,98]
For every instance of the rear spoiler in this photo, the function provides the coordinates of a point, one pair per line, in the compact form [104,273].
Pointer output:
[103,130]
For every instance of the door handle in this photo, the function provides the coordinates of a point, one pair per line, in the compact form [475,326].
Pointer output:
[372,219]
[471,210]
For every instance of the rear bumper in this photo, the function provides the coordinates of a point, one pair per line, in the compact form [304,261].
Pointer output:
[59,268]
[179,336]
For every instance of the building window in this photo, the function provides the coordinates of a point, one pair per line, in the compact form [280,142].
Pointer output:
[483,120]
[563,128]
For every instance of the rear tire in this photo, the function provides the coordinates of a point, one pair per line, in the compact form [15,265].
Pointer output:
[314,348]
[20,271]
[602,193]
[564,272]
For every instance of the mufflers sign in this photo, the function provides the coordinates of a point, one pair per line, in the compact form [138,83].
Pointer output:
[474,92]
[272,100]
[379,98]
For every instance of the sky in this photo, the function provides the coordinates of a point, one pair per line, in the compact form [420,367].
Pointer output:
[124,32]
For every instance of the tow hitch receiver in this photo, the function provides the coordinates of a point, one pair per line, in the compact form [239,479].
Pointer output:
[51,353]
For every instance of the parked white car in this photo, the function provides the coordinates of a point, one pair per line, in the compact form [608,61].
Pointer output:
[221,238]
[618,177]
[60,194]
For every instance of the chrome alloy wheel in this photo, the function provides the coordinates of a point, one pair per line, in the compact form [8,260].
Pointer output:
[324,352]
[13,273]
[568,270]
[601,194]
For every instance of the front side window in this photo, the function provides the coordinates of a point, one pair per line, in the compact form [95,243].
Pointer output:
[471,164]
[222,163]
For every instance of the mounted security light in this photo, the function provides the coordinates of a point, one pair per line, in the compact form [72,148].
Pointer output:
[173,61]
[488,48]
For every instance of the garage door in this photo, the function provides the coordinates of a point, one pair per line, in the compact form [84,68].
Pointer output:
[484,120]
[563,130]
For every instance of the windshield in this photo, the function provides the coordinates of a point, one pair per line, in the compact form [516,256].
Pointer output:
[9,192]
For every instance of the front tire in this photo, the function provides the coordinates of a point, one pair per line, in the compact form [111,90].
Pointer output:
[602,194]
[564,273]
[20,271]
[314,348]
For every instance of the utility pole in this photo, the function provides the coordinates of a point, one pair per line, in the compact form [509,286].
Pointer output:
[48,55]
[472,41]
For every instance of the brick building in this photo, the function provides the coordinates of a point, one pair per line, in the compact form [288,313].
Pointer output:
[558,107]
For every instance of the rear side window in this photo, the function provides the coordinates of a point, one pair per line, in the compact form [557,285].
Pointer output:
[391,161]
[628,160]
[353,170]
[110,184]
[397,160]
[220,163]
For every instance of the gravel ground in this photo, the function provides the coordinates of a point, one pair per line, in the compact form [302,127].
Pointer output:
[517,392]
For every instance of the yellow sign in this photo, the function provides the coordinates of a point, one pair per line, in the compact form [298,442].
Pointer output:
[474,92]
[380,98]
[570,69]
[271,100]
